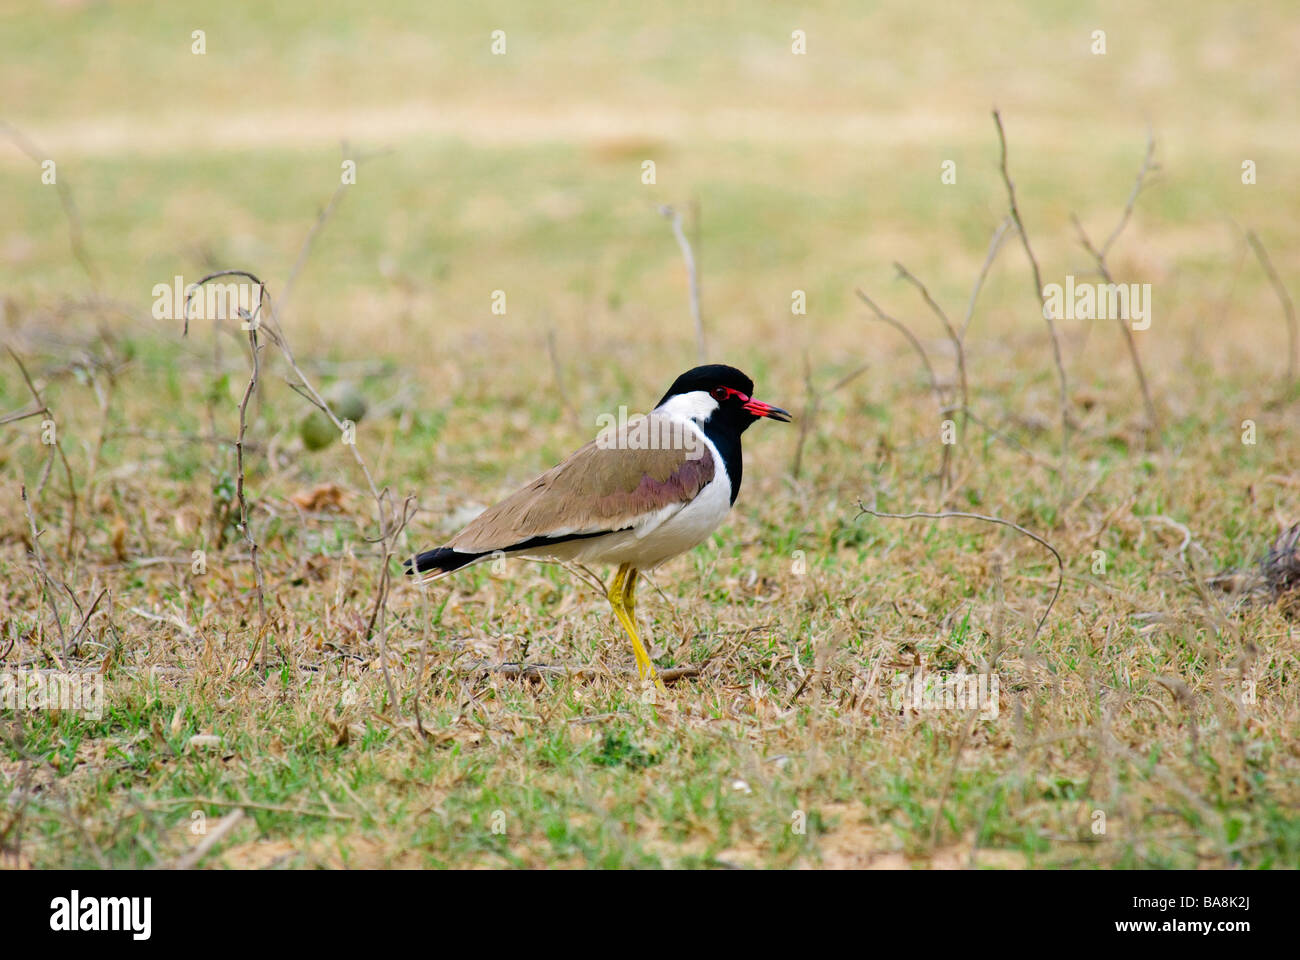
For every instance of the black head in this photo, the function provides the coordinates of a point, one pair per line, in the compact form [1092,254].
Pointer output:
[721,396]
[721,400]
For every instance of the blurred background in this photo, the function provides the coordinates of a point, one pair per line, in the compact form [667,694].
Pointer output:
[522,171]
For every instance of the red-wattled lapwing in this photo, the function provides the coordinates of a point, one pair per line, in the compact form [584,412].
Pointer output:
[642,492]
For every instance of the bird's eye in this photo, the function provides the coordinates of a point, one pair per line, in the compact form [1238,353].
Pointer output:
[719,393]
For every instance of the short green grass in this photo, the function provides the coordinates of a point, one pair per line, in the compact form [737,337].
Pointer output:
[1133,706]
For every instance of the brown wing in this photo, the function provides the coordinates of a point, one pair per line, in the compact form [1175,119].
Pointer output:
[607,485]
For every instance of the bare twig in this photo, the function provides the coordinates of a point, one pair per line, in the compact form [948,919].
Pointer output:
[1099,255]
[589,576]
[214,836]
[423,586]
[24,414]
[1288,308]
[309,241]
[689,257]
[559,378]
[58,449]
[1148,166]
[175,620]
[911,338]
[811,402]
[104,397]
[247,804]
[995,245]
[76,237]
[952,335]
[387,530]
[253,323]
[379,612]
[1013,442]
[244,527]
[85,619]
[536,671]
[47,582]
[1104,270]
[1042,302]
[946,457]
[812,406]
[957,514]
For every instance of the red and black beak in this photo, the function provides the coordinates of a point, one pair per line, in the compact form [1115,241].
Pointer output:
[760,409]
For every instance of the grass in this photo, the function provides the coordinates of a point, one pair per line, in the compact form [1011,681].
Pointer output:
[1149,702]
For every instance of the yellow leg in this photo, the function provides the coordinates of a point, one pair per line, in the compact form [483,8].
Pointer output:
[629,603]
[622,597]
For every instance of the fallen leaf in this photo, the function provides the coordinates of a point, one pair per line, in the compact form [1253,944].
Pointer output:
[323,496]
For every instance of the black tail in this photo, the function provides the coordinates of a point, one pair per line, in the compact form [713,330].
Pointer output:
[445,559]
[441,560]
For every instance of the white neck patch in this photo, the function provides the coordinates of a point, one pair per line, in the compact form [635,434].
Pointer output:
[696,405]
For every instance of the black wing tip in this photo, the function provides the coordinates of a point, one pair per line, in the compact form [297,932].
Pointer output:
[445,559]
[439,560]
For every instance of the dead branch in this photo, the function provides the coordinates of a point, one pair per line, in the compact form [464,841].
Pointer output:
[812,406]
[275,807]
[24,414]
[1013,442]
[1148,166]
[1042,302]
[946,458]
[253,323]
[689,257]
[387,530]
[952,335]
[47,582]
[244,527]
[104,397]
[76,236]
[563,394]
[85,619]
[423,586]
[379,612]
[1104,270]
[1099,255]
[310,240]
[961,515]
[538,671]
[1288,308]
[995,245]
[58,449]
[911,338]
[190,859]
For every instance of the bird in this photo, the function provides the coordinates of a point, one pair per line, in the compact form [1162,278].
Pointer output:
[646,489]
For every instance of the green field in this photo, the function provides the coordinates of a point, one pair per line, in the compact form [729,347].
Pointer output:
[1153,721]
